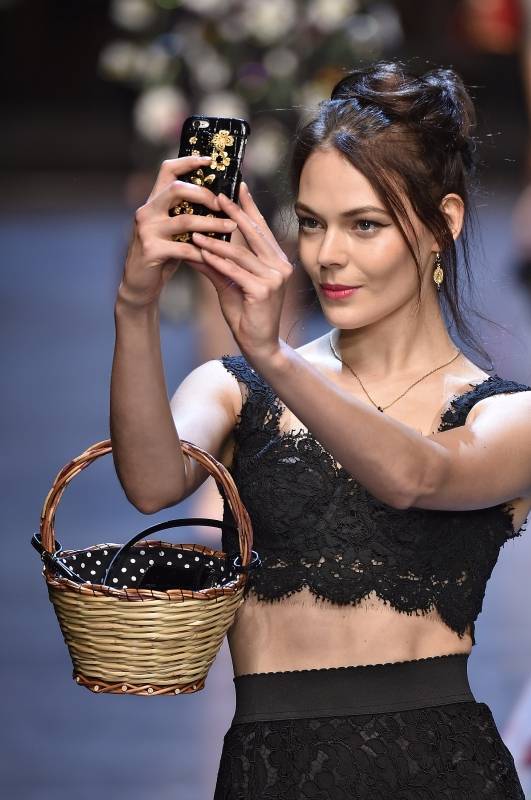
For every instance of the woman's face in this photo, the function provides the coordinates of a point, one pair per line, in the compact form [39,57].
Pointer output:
[346,236]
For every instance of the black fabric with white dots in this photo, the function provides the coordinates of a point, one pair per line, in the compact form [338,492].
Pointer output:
[152,565]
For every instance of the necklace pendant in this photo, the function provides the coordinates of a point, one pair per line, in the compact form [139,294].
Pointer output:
[409,387]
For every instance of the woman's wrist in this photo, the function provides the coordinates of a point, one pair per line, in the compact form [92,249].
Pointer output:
[127,302]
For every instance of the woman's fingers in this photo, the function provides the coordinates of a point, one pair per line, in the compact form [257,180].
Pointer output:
[186,223]
[253,211]
[244,277]
[239,265]
[172,168]
[241,256]
[158,251]
[252,224]
[220,280]
[178,192]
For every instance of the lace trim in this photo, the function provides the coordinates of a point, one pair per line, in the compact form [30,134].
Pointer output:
[259,393]
[460,404]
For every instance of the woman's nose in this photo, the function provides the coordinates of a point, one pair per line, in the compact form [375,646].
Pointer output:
[333,251]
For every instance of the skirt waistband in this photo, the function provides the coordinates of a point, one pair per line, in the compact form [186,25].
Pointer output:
[365,689]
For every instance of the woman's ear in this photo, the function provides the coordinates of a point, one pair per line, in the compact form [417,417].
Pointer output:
[453,208]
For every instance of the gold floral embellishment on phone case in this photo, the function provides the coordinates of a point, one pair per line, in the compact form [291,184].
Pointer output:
[202,179]
[184,207]
[219,160]
[222,139]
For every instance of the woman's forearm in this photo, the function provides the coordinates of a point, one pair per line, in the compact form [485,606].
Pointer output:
[387,457]
[146,449]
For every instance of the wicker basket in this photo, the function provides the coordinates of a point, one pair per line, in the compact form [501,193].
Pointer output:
[142,641]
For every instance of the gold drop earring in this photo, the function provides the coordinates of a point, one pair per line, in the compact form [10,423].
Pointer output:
[438,273]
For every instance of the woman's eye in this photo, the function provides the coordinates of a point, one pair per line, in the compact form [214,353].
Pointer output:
[364,225]
[303,222]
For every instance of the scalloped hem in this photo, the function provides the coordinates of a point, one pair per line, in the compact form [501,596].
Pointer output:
[350,666]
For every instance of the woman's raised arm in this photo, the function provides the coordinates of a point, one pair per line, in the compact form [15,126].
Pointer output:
[146,449]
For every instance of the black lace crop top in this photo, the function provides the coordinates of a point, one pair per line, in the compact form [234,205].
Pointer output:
[314,525]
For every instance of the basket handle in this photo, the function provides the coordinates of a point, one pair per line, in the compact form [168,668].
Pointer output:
[162,526]
[219,472]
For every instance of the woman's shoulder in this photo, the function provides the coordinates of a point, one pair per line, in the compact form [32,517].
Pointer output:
[487,390]
[317,351]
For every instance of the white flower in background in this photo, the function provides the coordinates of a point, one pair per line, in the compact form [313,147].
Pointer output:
[231,29]
[268,20]
[372,32]
[391,33]
[159,113]
[211,71]
[223,104]
[207,6]
[363,30]
[280,62]
[133,15]
[194,48]
[118,60]
[152,63]
[123,60]
[266,148]
[328,15]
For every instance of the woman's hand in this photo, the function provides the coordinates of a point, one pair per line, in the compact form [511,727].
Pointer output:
[153,255]
[250,278]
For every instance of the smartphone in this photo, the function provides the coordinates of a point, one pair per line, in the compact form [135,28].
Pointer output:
[224,139]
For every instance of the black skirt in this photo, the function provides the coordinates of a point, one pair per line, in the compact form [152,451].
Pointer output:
[404,730]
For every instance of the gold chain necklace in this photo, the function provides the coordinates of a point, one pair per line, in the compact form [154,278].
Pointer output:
[403,393]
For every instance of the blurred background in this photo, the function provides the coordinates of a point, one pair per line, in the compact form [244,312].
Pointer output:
[94,96]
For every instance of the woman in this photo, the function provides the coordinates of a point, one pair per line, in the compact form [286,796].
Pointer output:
[377,529]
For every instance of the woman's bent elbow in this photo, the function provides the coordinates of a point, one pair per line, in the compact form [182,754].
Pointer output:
[149,507]
[144,506]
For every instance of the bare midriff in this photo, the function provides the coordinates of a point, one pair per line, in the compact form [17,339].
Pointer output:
[304,632]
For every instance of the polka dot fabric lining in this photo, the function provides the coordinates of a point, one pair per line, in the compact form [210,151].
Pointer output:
[147,558]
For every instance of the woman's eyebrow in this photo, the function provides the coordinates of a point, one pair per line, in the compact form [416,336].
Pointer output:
[361,209]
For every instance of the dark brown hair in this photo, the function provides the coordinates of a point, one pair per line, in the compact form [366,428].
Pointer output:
[407,134]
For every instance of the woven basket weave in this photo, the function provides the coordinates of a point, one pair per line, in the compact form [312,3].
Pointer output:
[143,641]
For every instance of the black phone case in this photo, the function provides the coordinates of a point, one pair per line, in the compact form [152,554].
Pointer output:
[224,139]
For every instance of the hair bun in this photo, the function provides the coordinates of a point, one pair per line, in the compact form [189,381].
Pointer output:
[455,104]
[436,103]
[382,85]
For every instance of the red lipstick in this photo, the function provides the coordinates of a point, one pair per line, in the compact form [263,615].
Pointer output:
[337,291]
[336,286]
